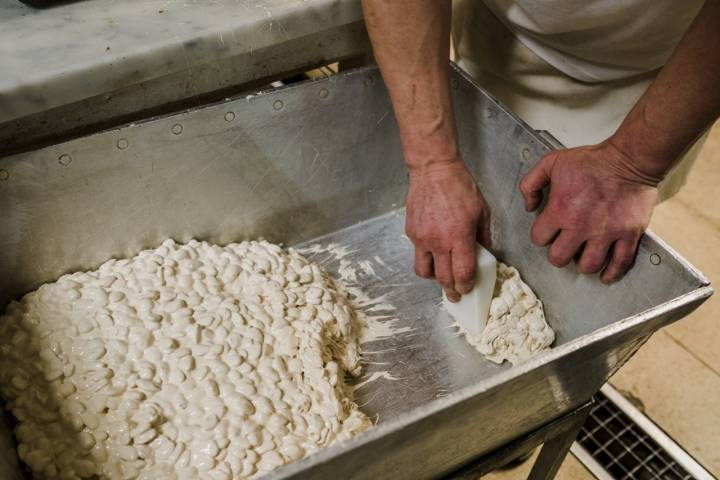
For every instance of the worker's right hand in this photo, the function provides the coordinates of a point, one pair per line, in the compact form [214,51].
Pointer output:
[445,216]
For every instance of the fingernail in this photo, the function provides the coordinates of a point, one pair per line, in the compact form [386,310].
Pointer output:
[453,296]
[466,288]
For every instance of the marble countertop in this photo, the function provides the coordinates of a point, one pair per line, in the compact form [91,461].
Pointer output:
[60,55]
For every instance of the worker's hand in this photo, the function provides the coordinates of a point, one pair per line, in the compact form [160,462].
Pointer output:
[597,210]
[445,216]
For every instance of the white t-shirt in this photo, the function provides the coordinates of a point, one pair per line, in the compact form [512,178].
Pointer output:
[599,40]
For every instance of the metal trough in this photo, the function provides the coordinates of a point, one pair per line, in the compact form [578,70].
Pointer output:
[320,162]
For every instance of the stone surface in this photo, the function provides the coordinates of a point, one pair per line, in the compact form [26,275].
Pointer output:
[56,56]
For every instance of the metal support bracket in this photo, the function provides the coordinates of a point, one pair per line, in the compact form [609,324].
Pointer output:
[556,437]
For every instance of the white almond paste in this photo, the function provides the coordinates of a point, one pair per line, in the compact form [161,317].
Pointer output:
[516,328]
[185,362]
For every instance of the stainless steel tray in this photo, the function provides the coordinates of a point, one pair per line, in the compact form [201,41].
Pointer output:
[320,162]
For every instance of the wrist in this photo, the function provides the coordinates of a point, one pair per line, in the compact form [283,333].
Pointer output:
[429,139]
[430,152]
[647,151]
[436,167]
[625,162]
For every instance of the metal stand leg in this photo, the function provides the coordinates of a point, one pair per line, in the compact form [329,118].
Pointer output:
[557,436]
[555,449]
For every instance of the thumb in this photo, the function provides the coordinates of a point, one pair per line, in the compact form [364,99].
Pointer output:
[535,180]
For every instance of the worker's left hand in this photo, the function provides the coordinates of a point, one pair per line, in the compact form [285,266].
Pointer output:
[597,210]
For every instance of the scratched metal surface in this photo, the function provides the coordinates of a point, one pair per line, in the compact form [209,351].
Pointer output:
[320,162]
[136,42]
[397,373]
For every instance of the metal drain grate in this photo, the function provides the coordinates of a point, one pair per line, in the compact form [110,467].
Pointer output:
[615,445]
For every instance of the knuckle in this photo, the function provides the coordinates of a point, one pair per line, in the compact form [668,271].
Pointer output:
[412,235]
[535,235]
[550,155]
[535,239]
[465,275]
[624,262]
[524,188]
[590,266]
[557,259]
[432,240]
[422,272]
[556,262]
[444,279]
[614,277]
[562,204]
[637,233]
[621,232]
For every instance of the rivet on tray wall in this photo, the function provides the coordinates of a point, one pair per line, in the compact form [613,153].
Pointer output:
[64,159]
[526,154]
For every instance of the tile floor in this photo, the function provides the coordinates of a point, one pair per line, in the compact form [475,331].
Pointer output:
[675,377]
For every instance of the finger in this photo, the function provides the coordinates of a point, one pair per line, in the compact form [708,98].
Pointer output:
[563,248]
[423,263]
[593,256]
[464,266]
[443,274]
[544,230]
[535,180]
[623,257]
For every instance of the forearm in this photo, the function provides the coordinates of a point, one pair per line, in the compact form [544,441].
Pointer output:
[682,101]
[411,42]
